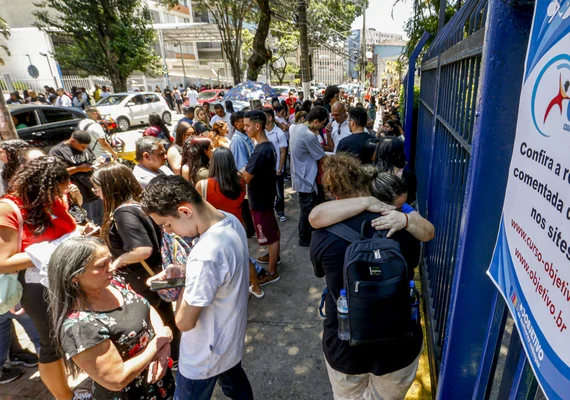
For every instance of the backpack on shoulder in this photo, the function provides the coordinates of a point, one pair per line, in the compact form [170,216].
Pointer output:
[377,286]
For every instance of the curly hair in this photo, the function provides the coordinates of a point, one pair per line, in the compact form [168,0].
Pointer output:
[36,186]
[216,135]
[194,156]
[344,176]
[12,148]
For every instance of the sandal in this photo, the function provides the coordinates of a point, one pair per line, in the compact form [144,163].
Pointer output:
[257,295]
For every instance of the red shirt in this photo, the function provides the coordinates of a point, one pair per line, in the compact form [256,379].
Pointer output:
[63,222]
[291,104]
[217,199]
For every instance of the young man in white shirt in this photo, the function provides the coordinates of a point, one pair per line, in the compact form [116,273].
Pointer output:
[151,156]
[63,99]
[192,95]
[279,140]
[222,115]
[99,145]
[212,309]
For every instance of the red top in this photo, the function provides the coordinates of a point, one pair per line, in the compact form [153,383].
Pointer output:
[217,199]
[63,222]
[291,103]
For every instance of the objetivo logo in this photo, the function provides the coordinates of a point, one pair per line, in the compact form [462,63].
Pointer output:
[550,102]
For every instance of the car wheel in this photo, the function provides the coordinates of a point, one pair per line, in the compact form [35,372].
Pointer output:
[123,124]
[166,117]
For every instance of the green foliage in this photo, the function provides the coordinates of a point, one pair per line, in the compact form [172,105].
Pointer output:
[370,68]
[105,37]
[327,20]
[229,16]
[5,32]
[286,42]
[402,100]
[425,18]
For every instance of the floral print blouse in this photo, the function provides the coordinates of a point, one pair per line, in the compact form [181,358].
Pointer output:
[130,330]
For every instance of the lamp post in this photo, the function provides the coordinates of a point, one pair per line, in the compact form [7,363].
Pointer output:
[50,70]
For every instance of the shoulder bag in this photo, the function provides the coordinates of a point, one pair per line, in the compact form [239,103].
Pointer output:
[10,288]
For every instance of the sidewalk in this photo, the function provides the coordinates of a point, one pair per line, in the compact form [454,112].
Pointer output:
[283,355]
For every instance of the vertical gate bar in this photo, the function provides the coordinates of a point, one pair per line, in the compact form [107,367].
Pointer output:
[464,126]
[511,367]
[491,349]
[476,91]
[525,384]
[409,100]
[472,290]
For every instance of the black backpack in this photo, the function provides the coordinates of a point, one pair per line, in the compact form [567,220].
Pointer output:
[377,286]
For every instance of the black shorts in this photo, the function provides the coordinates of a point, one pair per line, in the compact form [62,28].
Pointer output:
[34,302]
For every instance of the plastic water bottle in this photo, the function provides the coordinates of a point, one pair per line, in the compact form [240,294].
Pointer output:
[414,302]
[342,311]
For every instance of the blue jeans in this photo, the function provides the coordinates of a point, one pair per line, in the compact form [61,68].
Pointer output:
[234,383]
[6,329]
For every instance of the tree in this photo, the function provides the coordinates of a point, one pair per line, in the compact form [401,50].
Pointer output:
[104,37]
[425,18]
[7,129]
[286,42]
[5,32]
[229,16]
[260,53]
[327,21]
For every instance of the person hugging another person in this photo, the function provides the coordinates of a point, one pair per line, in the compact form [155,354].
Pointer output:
[196,156]
[219,133]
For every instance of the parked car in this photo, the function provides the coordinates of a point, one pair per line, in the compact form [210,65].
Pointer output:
[212,96]
[133,108]
[45,126]
[284,91]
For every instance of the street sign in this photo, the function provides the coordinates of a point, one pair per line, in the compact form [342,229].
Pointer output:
[33,71]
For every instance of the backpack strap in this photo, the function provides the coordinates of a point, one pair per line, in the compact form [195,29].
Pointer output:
[345,232]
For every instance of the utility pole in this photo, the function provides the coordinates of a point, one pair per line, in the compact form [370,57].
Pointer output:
[305,62]
[363,41]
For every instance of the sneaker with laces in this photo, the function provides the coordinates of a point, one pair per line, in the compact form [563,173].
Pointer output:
[282,217]
[8,375]
[267,279]
[25,358]
[264,259]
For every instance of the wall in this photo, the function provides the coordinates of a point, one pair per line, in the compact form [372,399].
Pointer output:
[33,42]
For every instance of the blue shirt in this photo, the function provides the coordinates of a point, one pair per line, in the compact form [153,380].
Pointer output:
[241,147]
[406,208]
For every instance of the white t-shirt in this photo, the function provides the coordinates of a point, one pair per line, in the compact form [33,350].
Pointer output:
[96,132]
[217,278]
[144,176]
[227,119]
[63,101]
[337,134]
[192,97]
[277,137]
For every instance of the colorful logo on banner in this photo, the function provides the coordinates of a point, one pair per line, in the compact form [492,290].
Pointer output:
[553,82]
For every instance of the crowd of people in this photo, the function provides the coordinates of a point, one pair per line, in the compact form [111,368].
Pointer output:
[88,236]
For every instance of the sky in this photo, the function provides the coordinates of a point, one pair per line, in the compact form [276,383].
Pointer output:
[378,16]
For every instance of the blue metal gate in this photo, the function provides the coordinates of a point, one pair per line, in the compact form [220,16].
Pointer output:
[470,84]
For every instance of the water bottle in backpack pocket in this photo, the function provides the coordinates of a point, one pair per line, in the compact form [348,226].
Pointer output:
[377,287]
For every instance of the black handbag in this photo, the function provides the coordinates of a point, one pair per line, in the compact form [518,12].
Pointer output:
[77,212]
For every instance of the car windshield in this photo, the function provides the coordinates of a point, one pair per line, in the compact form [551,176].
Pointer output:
[207,95]
[112,100]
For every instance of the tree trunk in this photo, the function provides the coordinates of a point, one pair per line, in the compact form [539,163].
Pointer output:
[260,54]
[303,38]
[7,128]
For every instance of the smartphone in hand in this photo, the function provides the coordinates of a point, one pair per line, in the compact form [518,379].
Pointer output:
[171,283]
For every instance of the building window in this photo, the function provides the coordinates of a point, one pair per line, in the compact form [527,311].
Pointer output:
[155,15]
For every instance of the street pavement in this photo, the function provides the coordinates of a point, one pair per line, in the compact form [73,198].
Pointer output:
[283,355]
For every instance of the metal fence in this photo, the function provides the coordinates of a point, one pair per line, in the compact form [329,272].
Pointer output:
[470,84]
[11,82]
